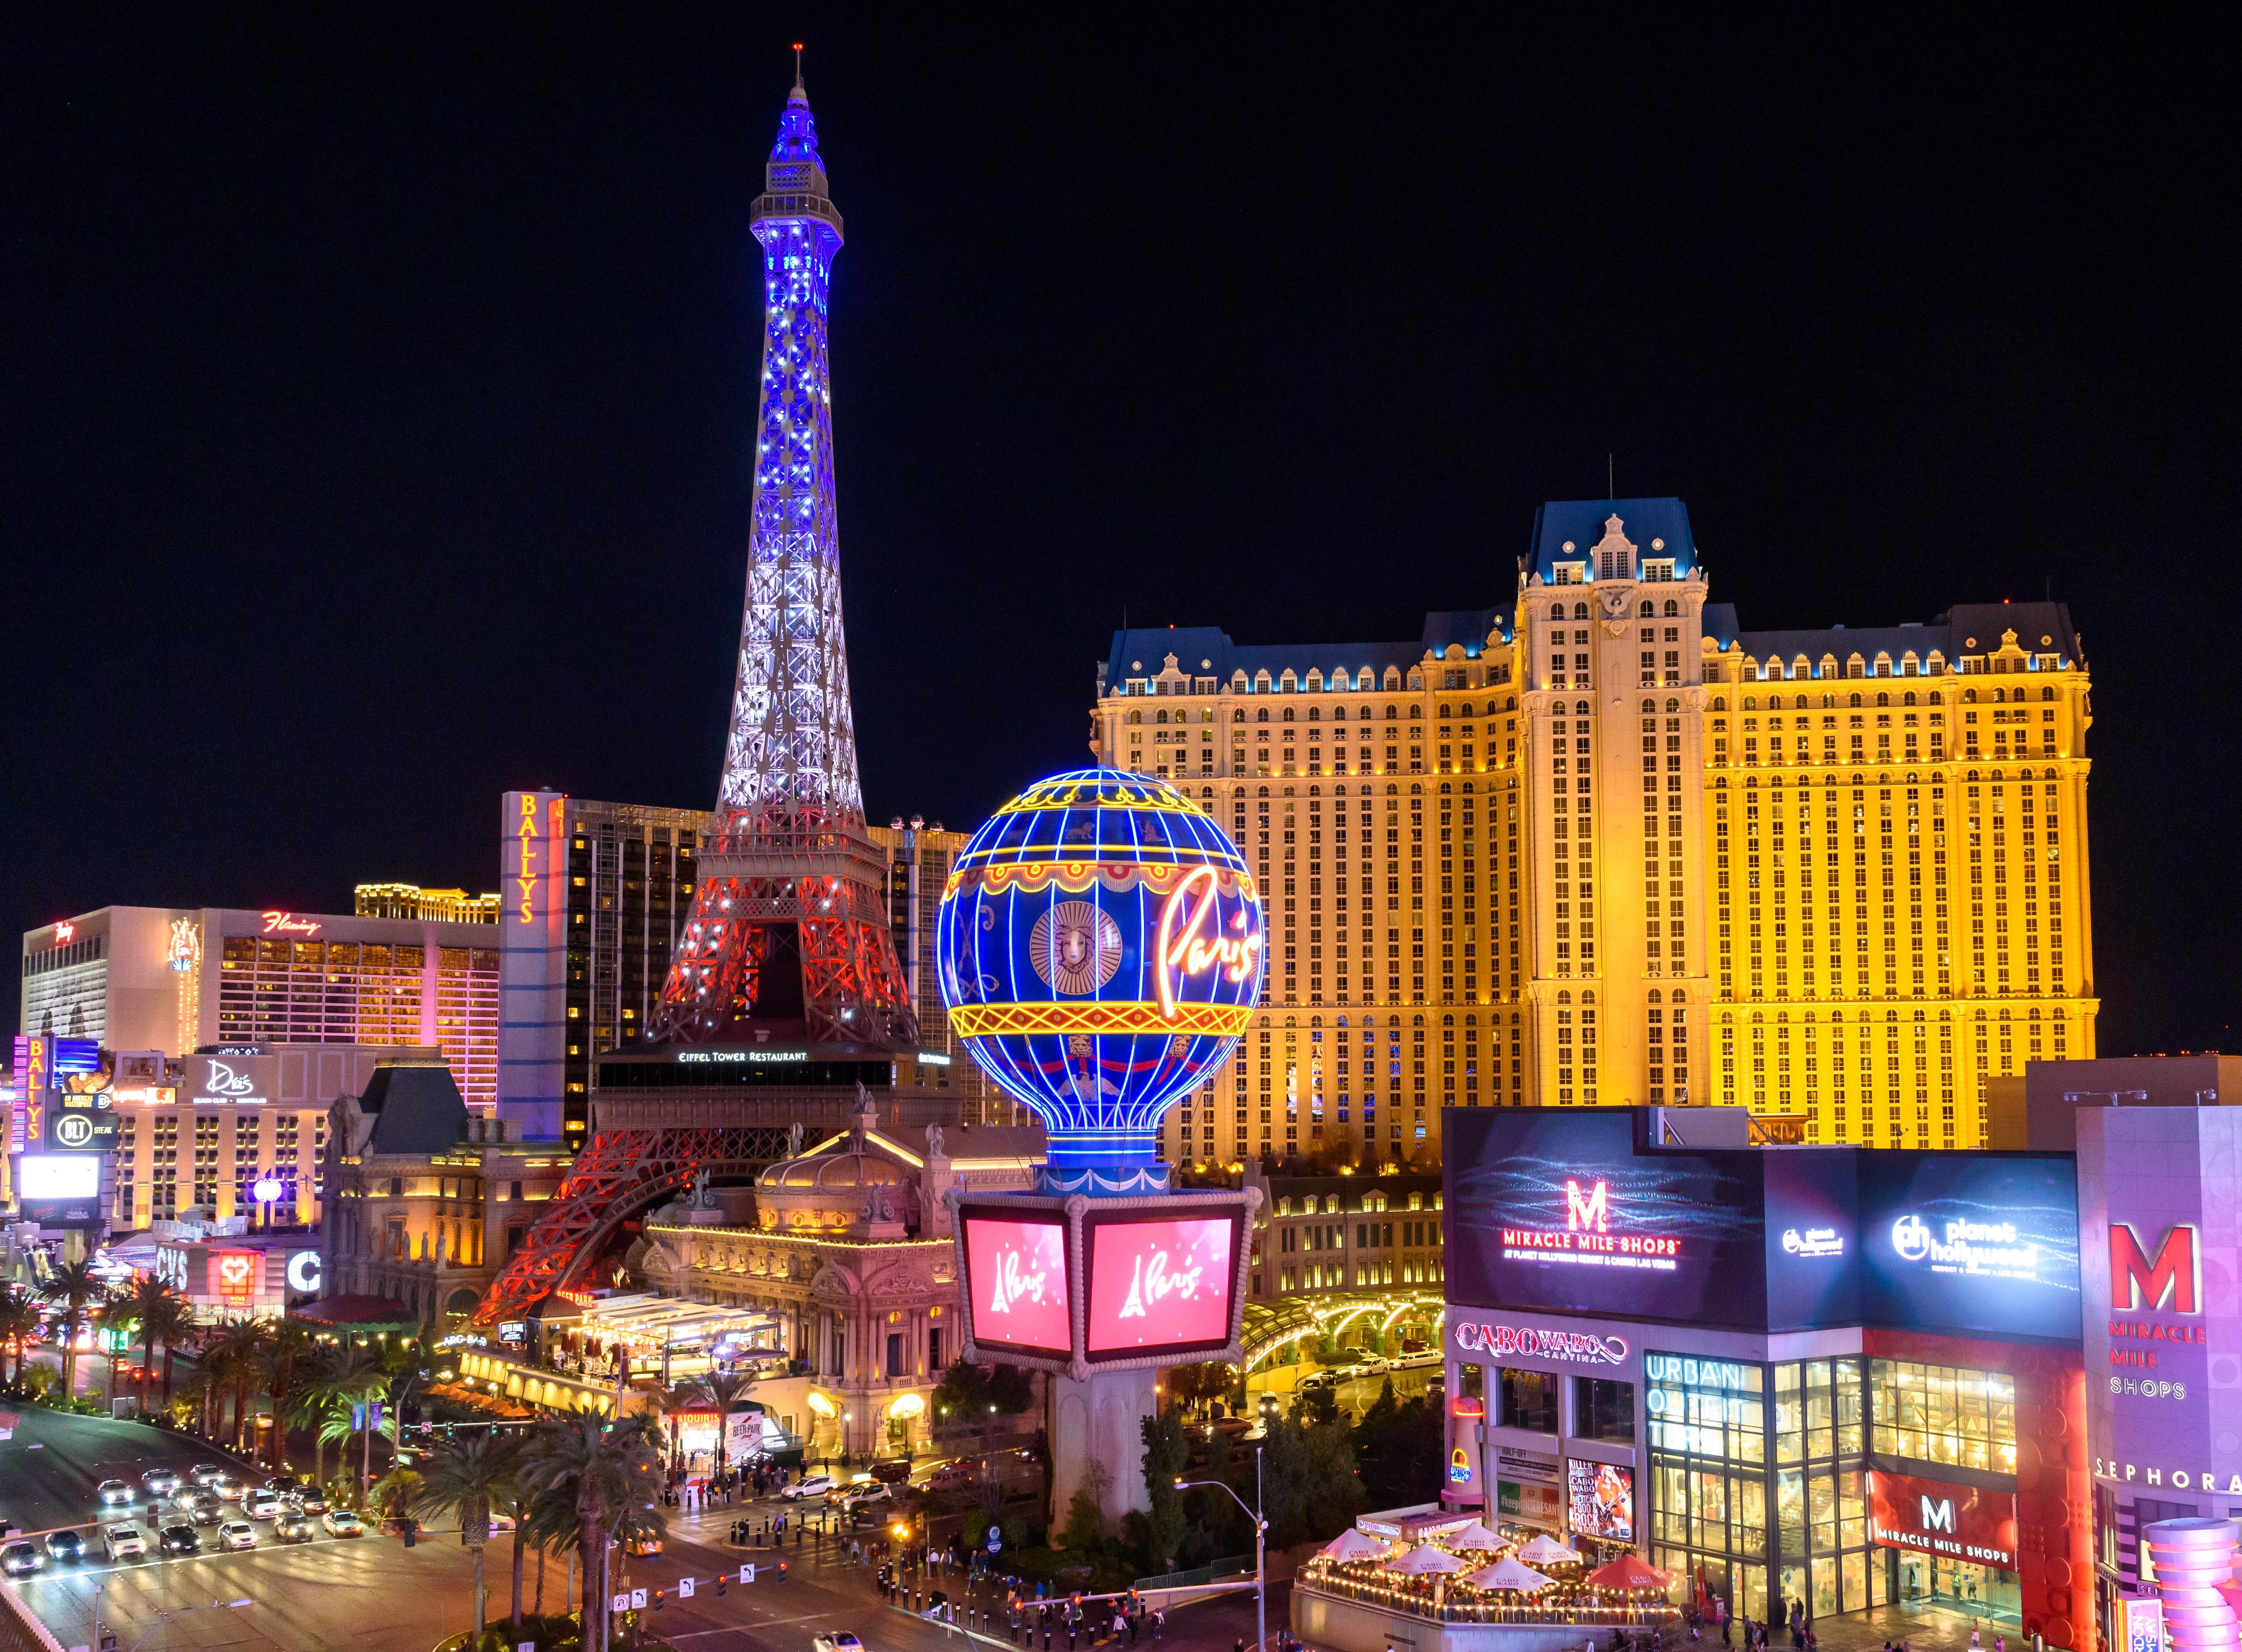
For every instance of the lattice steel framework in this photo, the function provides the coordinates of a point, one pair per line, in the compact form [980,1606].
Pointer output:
[618,1174]
[794,882]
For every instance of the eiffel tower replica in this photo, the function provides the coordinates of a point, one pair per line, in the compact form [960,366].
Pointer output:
[786,970]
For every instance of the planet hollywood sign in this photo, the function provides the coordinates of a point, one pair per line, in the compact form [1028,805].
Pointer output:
[1540,1342]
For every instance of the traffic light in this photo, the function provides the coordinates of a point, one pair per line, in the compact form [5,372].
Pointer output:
[659,1595]
[719,1585]
[781,1571]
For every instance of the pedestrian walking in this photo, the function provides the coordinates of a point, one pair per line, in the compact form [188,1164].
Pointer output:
[1159,1622]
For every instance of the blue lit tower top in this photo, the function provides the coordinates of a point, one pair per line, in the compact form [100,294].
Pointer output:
[793,872]
[793,743]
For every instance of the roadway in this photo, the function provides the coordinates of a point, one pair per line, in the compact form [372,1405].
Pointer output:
[48,1470]
[373,1595]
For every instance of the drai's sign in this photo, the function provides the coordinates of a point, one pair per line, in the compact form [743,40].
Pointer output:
[1539,1342]
[1983,1250]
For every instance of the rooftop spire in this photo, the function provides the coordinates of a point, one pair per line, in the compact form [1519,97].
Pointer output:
[799,89]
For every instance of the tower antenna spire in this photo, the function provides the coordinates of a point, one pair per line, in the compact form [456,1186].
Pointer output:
[797,66]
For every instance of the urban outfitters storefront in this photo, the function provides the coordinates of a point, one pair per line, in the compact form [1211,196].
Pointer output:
[1779,1376]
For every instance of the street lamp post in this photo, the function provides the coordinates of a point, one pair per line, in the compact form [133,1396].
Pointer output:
[1260,1550]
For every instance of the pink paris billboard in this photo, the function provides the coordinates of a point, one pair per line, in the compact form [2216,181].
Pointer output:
[1162,1285]
[1017,1271]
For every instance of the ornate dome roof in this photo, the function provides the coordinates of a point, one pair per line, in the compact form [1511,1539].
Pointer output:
[835,1172]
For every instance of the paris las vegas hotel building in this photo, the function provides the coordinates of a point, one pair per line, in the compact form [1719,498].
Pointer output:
[1602,847]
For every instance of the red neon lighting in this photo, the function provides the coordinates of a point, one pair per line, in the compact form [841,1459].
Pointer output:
[289,923]
[1586,1235]
[2171,1284]
[1466,1406]
[235,1276]
[1190,943]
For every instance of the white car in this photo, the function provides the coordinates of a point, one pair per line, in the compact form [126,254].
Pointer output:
[124,1542]
[205,1474]
[815,1485]
[114,1493]
[340,1523]
[262,1504]
[160,1482]
[835,1640]
[863,1496]
[237,1534]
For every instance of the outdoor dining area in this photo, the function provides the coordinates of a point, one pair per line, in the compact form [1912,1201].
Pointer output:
[1507,1591]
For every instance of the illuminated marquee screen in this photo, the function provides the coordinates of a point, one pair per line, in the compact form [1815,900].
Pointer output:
[1560,1213]
[1971,1242]
[40,1176]
[1015,1274]
[1162,1285]
[1600,1500]
[235,1277]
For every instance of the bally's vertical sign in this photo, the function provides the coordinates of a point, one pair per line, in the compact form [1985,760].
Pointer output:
[2161,1314]
[533,868]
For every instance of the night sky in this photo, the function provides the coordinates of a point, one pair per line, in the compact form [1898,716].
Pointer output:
[378,391]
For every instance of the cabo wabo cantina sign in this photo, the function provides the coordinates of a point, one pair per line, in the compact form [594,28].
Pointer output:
[1539,1342]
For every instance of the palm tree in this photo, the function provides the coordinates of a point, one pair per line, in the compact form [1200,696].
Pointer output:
[162,1315]
[19,1329]
[392,1496]
[77,1287]
[287,1352]
[359,1381]
[465,1479]
[548,1522]
[613,1469]
[317,1406]
[237,1351]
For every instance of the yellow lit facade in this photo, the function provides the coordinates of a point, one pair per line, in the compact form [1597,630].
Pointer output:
[1601,847]
[434,905]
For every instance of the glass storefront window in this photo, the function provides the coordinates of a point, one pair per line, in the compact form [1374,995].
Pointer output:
[1945,1414]
[1603,1410]
[1529,1400]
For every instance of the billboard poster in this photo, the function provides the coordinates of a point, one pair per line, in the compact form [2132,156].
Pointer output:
[1529,1504]
[1600,1500]
[2140,1623]
[1160,1285]
[1983,1244]
[1015,1278]
[60,1189]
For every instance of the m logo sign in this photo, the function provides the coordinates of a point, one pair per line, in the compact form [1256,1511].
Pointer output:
[1938,1514]
[1588,1213]
[2171,1283]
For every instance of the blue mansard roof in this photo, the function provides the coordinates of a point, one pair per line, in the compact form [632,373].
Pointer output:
[1966,628]
[1205,651]
[1580,522]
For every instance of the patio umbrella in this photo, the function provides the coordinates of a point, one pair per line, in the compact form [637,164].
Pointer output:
[1627,1573]
[1355,1545]
[1546,1550]
[1423,1559]
[1474,1536]
[1508,1575]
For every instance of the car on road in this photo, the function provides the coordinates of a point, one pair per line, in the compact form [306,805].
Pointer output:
[1317,1379]
[813,1486]
[206,1511]
[205,1474]
[66,1546]
[261,1504]
[124,1542]
[237,1534]
[642,1543]
[115,1494]
[305,1499]
[160,1482]
[865,1497]
[180,1538]
[230,1487]
[340,1523]
[960,1475]
[835,1640]
[21,1559]
[291,1528]
[891,1471]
